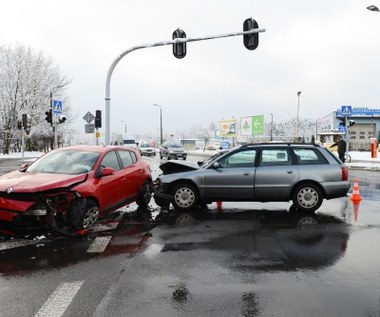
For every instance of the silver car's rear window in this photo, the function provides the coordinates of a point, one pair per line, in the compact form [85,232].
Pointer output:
[307,156]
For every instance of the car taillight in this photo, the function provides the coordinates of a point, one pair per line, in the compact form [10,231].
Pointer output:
[344,173]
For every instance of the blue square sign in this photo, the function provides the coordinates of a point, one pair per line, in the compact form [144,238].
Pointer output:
[57,106]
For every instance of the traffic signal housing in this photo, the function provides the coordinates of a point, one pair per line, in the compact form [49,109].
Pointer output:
[251,41]
[98,119]
[179,49]
[25,121]
[351,122]
[343,121]
[62,119]
[49,116]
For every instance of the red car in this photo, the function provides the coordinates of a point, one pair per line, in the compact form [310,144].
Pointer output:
[69,188]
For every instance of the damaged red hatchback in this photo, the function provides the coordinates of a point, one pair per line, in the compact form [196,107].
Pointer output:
[69,188]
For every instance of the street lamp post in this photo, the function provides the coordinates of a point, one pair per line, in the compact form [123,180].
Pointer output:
[271,127]
[161,135]
[298,115]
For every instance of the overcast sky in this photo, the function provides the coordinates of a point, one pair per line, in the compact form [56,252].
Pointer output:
[329,50]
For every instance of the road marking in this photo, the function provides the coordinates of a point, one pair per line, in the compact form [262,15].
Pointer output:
[61,298]
[99,227]
[99,244]
[6,245]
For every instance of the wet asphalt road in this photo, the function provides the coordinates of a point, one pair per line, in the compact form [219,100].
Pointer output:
[248,260]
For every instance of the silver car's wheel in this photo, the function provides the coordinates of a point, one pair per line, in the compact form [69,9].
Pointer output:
[307,197]
[185,197]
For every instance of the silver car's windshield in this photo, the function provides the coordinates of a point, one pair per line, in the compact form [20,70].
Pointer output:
[213,158]
[65,162]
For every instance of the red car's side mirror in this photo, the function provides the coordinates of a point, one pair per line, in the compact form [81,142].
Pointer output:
[106,171]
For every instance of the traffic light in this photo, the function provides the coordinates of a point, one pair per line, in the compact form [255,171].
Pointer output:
[179,49]
[25,121]
[49,117]
[98,119]
[351,122]
[62,119]
[19,124]
[343,121]
[251,41]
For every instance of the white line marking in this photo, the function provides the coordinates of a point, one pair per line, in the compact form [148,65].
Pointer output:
[105,226]
[6,245]
[99,244]
[61,298]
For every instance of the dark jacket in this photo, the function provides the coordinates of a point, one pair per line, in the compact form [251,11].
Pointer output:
[341,146]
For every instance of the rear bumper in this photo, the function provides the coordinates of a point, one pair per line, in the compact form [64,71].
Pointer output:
[336,190]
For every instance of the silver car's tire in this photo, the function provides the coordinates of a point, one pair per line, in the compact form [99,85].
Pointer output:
[185,197]
[307,197]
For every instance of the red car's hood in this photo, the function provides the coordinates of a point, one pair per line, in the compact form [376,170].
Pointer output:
[36,182]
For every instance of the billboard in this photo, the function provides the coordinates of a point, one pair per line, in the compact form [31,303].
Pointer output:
[252,126]
[227,128]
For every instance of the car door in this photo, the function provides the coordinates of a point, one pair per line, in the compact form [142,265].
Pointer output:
[232,178]
[132,174]
[110,187]
[275,174]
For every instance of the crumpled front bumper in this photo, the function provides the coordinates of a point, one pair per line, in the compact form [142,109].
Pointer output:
[160,197]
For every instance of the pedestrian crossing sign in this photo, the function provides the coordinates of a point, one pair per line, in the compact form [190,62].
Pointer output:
[57,106]
[346,110]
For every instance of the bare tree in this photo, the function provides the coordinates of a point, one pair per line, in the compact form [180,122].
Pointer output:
[27,82]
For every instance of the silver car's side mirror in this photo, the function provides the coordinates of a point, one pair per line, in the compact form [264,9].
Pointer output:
[216,165]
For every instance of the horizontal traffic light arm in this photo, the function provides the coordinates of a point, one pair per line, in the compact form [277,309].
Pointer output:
[163,43]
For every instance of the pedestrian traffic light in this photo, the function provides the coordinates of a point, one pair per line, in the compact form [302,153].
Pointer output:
[251,41]
[179,49]
[351,122]
[49,117]
[25,121]
[98,119]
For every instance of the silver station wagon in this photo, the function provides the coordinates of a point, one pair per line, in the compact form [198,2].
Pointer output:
[303,173]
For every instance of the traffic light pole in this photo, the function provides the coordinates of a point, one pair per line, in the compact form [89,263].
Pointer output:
[163,43]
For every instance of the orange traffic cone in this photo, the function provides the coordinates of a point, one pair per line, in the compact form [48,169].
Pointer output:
[355,191]
[356,204]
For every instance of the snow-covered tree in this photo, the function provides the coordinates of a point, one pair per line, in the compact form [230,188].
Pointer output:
[288,128]
[28,80]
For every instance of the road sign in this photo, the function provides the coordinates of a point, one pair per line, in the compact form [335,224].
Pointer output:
[346,110]
[258,125]
[57,106]
[88,117]
[89,128]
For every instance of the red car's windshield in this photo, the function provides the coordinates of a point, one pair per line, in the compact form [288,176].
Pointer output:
[65,162]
